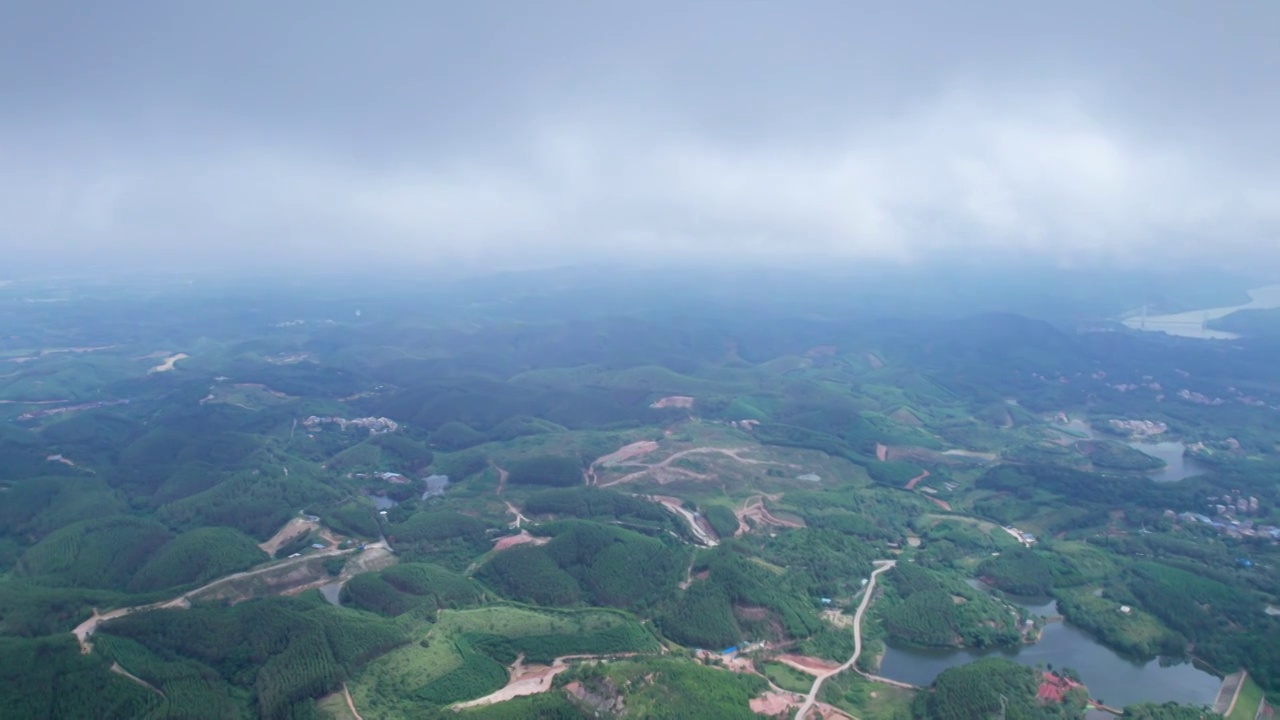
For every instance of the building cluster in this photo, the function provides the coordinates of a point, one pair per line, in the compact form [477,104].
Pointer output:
[1139,428]
[375,425]
[1199,398]
[1234,503]
[1227,521]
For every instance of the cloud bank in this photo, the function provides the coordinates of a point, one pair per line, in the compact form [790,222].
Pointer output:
[633,161]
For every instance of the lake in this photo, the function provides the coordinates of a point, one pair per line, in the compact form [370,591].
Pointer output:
[1110,677]
[1191,324]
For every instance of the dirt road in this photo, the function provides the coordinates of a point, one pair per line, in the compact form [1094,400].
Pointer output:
[515,512]
[351,705]
[882,566]
[675,506]
[664,467]
[911,484]
[85,630]
[115,668]
[532,679]
[754,508]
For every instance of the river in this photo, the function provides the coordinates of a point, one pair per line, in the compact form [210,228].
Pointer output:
[1110,677]
[1191,324]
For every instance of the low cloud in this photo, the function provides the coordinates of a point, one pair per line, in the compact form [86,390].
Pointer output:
[961,174]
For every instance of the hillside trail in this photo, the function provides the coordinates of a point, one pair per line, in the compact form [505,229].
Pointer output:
[351,705]
[85,630]
[115,668]
[502,481]
[882,566]
[515,512]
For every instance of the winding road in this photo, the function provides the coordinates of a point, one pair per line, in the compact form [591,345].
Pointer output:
[882,565]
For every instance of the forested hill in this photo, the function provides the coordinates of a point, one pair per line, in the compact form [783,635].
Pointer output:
[258,502]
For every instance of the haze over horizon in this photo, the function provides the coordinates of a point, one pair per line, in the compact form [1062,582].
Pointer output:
[321,135]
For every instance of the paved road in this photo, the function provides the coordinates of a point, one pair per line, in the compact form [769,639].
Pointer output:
[882,565]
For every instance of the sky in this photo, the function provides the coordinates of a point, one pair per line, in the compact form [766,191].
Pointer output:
[436,135]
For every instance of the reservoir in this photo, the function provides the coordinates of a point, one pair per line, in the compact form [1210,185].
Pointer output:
[1111,678]
[1172,452]
[1177,465]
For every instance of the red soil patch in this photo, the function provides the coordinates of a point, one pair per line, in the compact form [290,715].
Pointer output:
[811,665]
[1054,689]
[755,509]
[678,401]
[773,704]
[940,503]
[827,350]
[882,452]
[523,538]
[911,484]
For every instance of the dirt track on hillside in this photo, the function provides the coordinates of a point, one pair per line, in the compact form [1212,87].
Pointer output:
[663,471]
[290,530]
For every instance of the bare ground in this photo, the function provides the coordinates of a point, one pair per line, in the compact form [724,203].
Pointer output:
[754,508]
[911,484]
[677,401]
[167,365]
[524,538]
[531,679]
[290,530]
[663,471]
[810,665]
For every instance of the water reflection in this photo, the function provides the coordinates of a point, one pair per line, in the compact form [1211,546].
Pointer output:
[1173,453]
[1114,679]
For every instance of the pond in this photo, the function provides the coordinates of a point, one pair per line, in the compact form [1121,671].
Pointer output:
[382,502]
[1111,678]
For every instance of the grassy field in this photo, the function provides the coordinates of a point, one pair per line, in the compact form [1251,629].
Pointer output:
[433,653]
[862,698]
[1137,628]
[786,677]
[1247,703]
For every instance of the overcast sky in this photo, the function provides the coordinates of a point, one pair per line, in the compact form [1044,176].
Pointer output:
[231,134]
